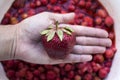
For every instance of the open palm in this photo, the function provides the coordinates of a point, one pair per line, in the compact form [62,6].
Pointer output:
[30,49]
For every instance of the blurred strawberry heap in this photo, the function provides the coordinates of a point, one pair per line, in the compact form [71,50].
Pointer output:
[88,13]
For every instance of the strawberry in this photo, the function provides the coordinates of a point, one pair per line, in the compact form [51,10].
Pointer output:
[58,41]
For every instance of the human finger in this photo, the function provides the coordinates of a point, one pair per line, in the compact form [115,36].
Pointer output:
[78,49]
[87,31]
[72,58]
[92,41]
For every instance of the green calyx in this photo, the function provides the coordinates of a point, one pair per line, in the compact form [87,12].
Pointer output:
[51,31]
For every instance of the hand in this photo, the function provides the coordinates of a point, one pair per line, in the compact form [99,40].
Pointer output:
[29,47]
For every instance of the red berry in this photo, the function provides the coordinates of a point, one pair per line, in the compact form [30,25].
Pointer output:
[32,5]
[102,13]
[7,15]
[41,69]
[88,4]
[107,69]
[84,69]
[20,11]
[43,77]
[78,21]
[72,2]
[57,8]
[49,7]
[111,35]
[44,2]
[76,1]
[51,75]
[21,65]
[88,20]
[98,20]
[77,77]
[13,20]
[10,64]
[84,24]
[96,67]
[108,21]
[98,58]
[19,3]
[109,53]
[114,49]
[80,15]
[61,65]
[71,74]
[90,69]
[5,21]
[29,75]
[57,70]
[97,78]
[53,1]
[68,67]
[21,73]
[36,72]
[71,7]
[11,73]
[81,3]
[88,77]
[63,11]
[102,73]
[81,65]
[24,15]
[37,3]
[31,12]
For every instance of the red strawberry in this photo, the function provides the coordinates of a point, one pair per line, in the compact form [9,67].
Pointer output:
[58,41]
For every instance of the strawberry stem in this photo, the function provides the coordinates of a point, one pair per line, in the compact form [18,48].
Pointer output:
[56,23]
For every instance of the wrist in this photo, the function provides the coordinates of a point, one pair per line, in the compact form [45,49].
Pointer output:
[20,39]
[8,40]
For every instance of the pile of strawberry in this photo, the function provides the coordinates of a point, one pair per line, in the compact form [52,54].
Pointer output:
[88,13]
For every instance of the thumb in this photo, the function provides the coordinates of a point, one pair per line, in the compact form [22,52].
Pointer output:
[62,18]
